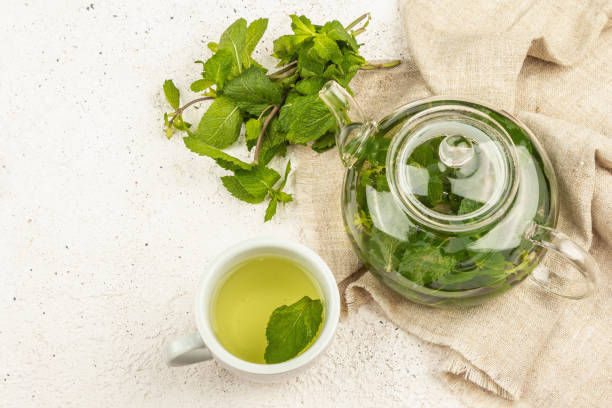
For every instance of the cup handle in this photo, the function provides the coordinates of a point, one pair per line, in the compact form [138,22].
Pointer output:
[573,254]
[187,349]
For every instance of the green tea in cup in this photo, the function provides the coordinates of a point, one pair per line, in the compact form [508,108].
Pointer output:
[267,309]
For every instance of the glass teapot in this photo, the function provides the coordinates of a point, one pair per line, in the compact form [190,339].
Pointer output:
[449,202]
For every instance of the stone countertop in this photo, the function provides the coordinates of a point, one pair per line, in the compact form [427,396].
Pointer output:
[106,226]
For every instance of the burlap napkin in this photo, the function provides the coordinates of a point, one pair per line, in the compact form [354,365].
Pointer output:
[550,62]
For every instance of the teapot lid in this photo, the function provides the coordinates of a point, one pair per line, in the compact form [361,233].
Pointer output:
[453,168]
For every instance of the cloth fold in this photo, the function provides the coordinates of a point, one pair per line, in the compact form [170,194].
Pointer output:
[550,63]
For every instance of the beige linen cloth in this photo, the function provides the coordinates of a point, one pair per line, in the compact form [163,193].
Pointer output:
[549,62]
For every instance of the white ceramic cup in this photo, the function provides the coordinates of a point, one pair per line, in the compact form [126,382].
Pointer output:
[203,345]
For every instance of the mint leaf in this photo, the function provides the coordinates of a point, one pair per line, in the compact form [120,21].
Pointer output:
[251,185]
[223,159]
[217,67]
[287,171]
[423,155]
[327,49]
[310,86]
[288,111]
[233,39]
[435,191]
[271,209]
[258,180]
[169,131]
[273,142]
[424,263]
[172,94]
[349,66]
[252,129]
[492,270]
[456,280]
[232,184]
[220,125]
[332,72]
[201,84]
[307,118]
[324,143]
[255,31]
[213,46]
[284,49]
[309,62]
[180,124]
[385,250]
[468,206]
[351,62]
[283,197]
[347,69]
[278,195]
[302,27]
[292,328]
[335,30]
[252,91]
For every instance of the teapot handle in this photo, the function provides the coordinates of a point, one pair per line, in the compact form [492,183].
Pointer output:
[573,254]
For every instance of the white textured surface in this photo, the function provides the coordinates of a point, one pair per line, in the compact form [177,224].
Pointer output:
[105,226]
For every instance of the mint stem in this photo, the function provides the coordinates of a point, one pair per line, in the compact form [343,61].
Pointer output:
[269,118]
[263,112]
[357,21]
[284,72]
[369,66]
[180,110]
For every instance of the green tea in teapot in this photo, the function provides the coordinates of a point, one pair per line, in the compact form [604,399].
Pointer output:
[449,201]
[450,182]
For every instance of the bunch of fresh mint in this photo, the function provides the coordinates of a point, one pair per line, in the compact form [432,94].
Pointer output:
[278,109]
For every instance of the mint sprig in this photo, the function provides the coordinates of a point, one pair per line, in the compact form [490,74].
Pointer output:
[278,109]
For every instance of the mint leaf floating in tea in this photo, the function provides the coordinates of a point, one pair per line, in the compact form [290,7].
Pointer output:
[292,328]
[277,109]
[425,263]
[467,206]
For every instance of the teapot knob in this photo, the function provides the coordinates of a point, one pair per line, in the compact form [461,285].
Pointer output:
[456,151]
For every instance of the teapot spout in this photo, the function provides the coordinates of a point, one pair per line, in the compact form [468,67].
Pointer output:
[353,128]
